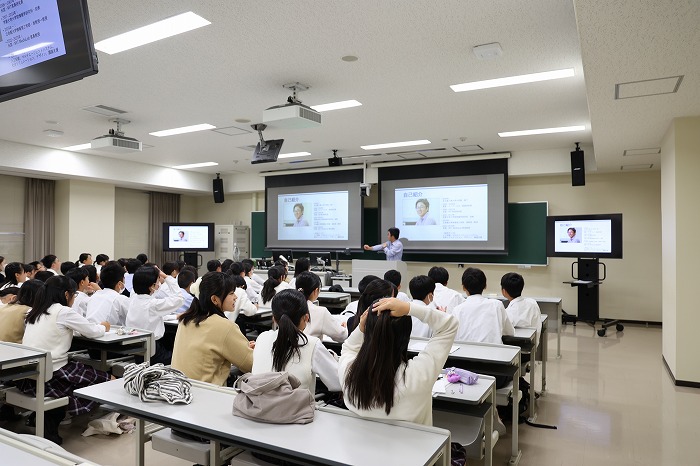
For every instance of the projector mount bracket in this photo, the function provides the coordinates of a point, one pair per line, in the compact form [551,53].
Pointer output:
[260,127]
[119,122]
[295,87]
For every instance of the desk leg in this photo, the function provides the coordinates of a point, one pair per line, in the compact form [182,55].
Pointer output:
[40,393]
[140,442]
[559,326]
[533,365]
[545,355]
[488,428]
[515,453]
[214,457]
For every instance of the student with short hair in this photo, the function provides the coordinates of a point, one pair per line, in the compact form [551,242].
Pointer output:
[242,304]
[15,275]
[146,311]
[171,268]
[480,319]
[214,265]
[80,276]
[185,279]
[422,289]
[108,304]
[85,258]
[30,270]
[249,276]
[522,312]
[351,308]
[43,275]
[444,297]
[8,294]
[143,258]
[100,261]
[66,266]
[237,268]
[289,349]
[226,264]
[394,276]
[321,321]
[131,266]
[207,343]
[379,381]
[50,327]
[13,314]
[51,263]
[303,264]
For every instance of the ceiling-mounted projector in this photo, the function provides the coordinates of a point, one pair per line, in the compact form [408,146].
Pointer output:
[115,141]
[293,114]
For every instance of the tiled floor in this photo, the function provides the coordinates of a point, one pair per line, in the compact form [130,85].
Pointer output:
[611,399]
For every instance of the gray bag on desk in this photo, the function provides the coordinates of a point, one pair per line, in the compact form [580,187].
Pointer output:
[273,397]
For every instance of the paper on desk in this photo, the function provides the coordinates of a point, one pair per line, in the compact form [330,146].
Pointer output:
[440,385]
[420,346]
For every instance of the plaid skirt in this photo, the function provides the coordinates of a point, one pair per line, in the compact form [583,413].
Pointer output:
[68,378]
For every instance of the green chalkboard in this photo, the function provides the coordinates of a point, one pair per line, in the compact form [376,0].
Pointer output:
[526,239]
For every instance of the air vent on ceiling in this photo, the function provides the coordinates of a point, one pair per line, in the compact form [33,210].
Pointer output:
[636,167]
[232,131]
[648,87]
[647,151]
[105,110]
[469,148]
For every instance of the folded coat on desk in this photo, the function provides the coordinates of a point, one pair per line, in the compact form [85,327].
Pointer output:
[273,397]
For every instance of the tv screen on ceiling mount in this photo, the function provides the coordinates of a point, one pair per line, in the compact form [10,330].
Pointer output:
[43,44]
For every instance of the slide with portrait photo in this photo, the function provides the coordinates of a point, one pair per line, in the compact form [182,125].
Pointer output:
[313,216]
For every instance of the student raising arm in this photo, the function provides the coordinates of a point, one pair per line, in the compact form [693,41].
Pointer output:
[378,378]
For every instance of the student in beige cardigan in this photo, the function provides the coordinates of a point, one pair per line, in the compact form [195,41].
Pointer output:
[207,343]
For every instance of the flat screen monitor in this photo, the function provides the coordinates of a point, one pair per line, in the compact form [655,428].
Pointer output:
[320,259]
[268,152]
[594,236]
[43,44]
[457,207]
[188,237]
[314,211]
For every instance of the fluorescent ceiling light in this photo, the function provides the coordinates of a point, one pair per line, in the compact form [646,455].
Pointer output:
[336,105]
[153,32]
[184,129]
[78,147]
[530,132]
[396,144]
[293,154]
[27,49]
[509,81]
[196,165]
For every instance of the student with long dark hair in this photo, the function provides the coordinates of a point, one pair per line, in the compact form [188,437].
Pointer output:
[50,327]
[303,264]
[12,316]
[321,322]
[85,258]
[15,275]
[373,290]
[379,381]
[242,304]
[288,349]
[207,343]
[273,284]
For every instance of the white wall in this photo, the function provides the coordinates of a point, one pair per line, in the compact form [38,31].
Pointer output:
[12,219]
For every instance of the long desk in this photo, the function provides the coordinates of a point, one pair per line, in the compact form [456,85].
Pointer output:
[21,362]
[135,342]
[16,449]
[331,439]
[525,338]
[485,358]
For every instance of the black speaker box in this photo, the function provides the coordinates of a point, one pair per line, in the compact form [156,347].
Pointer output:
[335,162]
[218,190]
[578,171]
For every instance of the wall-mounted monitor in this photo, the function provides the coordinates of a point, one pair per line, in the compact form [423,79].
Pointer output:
[268,152]
[456,207]
[188,237]
[43,44]
[314,211]
[594,236]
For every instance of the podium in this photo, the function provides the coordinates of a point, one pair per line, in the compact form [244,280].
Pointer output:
[588,280]
[361,268]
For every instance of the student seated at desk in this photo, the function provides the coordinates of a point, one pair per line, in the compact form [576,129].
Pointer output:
[8,294]
[522,312]
[379,381]
[109,304]
[288,349]
[185,279]
[242,304]
[394,276]
[274,284]
[207,343]
[50,327]
[444,297]
[422,288]
[146,312]
[81,277]
[238,269]
[303,264]
[16,275]
[13,314]
[351,309]
[252,281]
[321,322]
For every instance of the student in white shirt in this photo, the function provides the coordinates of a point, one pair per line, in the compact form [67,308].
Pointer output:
[50,327]
[288,349]
[321,322]
[100,261]
[480,319]
[146,311]
[443,296]
[51,263]
[394,276]
[80,276]
[185,279]
[109,304]
[242,304]
[252,281]
[85,258]
[238,269]
[522,312]
[15,275]
[379,381]
[303,264]
[132,265]
[273,285]
[422,288]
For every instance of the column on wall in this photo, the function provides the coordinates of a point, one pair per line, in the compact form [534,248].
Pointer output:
[84,219]
[680,166]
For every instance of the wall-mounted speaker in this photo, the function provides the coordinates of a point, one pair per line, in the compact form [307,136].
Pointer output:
[218,189]
[578,170]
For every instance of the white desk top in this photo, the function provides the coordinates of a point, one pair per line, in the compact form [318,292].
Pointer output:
[10,353]
[469,394]
[16,449]
[526,333]
[482,352]
[112,337]
[329,439]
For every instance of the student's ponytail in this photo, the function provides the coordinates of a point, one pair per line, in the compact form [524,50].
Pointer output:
[288,308]
[274,278]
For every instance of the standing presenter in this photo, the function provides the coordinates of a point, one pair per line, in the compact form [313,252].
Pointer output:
[393,248]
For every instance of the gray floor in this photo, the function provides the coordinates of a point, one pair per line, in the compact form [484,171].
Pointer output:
[611,399]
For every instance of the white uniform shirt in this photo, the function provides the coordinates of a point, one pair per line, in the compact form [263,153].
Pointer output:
[525,312]
[146,312]
[107,306]
[482,320]
[447,297]
[322,323]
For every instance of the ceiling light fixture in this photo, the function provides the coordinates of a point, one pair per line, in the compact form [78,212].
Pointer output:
[183,130]
[153,32]
[530,132]
[396,144]
[512,80]
[78,147]
[336,105]
[195,165]
[294,154]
